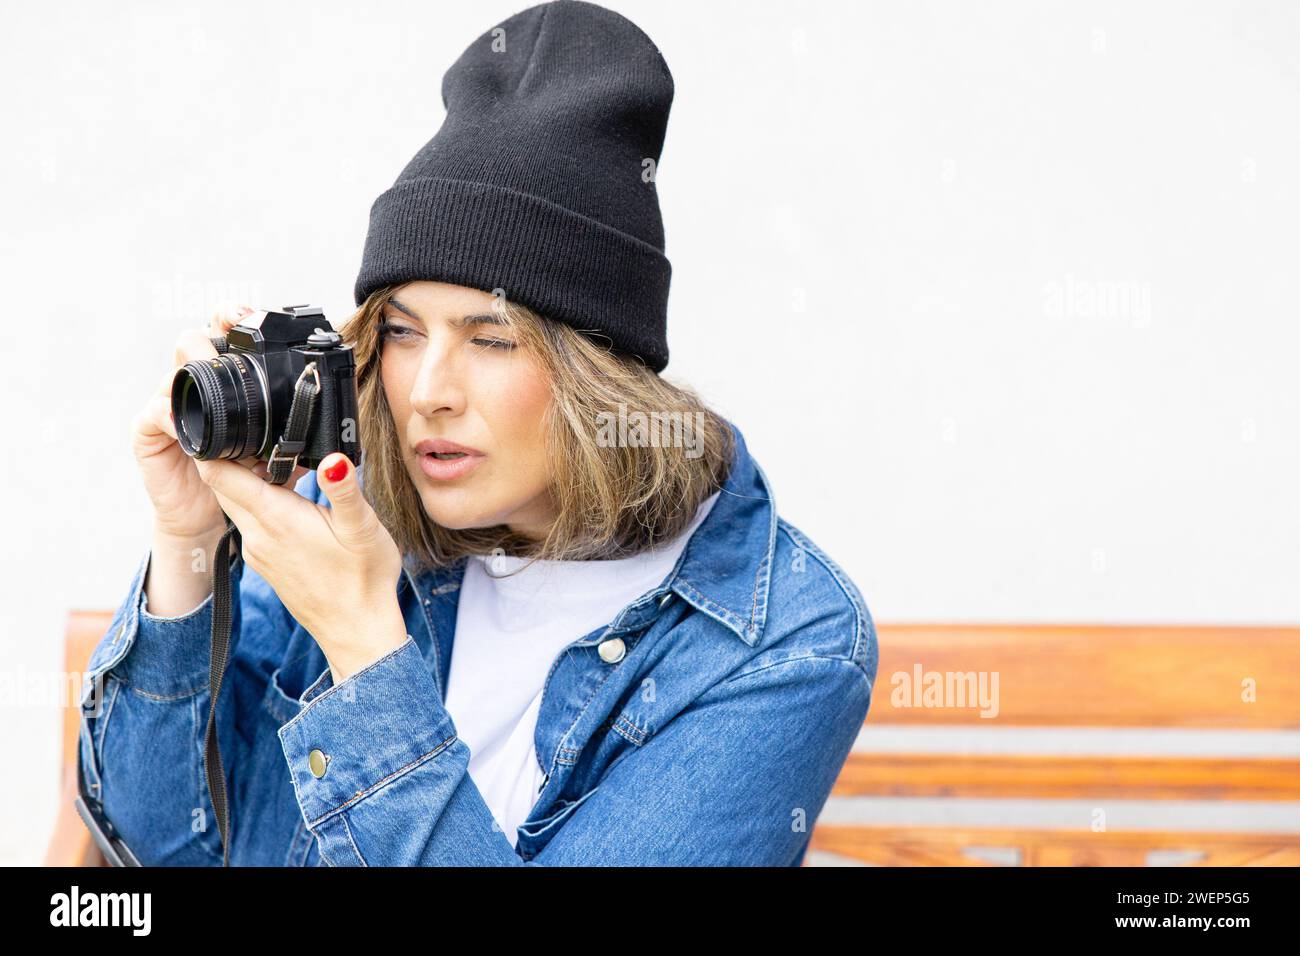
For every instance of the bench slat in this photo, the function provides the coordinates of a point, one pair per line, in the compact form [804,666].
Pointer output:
[1038,775]
[1099,676]
[958,846]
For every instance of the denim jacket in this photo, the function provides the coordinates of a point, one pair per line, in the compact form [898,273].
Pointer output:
[710,733]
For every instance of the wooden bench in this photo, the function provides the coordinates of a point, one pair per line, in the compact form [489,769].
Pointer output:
[71,844]
[1048,677]
[1198,678]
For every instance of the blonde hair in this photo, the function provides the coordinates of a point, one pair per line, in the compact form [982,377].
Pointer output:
[612,499]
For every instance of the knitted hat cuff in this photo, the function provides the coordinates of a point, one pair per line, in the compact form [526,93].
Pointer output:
[559,263]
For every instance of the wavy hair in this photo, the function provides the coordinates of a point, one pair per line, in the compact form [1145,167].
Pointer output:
[631,456]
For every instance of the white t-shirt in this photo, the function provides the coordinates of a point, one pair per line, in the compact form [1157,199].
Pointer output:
[509,631]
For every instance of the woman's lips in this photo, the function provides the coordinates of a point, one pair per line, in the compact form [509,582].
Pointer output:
[444,460]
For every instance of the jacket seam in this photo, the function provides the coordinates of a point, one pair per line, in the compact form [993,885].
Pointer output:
[163,698]
[303,836]
[713,609]
[355,849]
[145,614]
[560,748]
[325,694]
[108,650]
[633,734]
[795,660]
[381,782]
[200,782]
[858,655]
[764,574]
[97,749]
[423,603]
[577,751]
[765,570]
[90,762]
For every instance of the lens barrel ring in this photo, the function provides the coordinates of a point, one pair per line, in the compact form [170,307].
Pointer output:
[209,384]
[254,405]
[221,407]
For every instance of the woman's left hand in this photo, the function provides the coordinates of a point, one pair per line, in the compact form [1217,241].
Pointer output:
[335,569]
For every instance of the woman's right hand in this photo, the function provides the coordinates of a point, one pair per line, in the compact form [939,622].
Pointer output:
[188,521]
[184,508]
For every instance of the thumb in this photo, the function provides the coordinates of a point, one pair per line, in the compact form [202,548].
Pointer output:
[353,519]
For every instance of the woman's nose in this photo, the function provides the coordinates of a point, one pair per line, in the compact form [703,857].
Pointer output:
[436,388]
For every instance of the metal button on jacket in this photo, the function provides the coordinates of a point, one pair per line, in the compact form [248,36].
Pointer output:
[612,651]
[317,761]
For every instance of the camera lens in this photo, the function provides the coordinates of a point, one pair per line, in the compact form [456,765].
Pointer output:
[220,406]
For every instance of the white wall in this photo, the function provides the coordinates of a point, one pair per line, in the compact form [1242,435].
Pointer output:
[1003,295]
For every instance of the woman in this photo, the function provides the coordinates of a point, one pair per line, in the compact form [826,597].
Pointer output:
[563,624]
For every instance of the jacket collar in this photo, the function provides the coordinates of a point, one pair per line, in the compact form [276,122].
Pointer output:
[725,569]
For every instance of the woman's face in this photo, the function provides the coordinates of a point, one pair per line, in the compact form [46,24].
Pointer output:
[468,403]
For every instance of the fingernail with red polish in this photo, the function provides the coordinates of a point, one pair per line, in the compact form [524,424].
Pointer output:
[337,471]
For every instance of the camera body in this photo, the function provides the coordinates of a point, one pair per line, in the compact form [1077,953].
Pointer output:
[236,404]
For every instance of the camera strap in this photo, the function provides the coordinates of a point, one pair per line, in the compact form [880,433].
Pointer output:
[221,614]
[284,458]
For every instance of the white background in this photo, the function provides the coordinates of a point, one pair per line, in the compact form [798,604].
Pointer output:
[1003,296]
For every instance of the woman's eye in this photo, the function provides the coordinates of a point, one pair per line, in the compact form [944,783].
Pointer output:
[493,343]
[389,330]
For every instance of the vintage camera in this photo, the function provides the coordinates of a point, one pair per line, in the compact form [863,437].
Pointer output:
[237,404]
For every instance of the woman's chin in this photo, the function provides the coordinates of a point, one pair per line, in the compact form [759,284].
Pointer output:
[443,509]
[465,508]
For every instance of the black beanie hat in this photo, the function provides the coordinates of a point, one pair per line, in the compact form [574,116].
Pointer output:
[540,181]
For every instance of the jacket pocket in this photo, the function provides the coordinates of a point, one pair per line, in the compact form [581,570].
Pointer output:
[533,835]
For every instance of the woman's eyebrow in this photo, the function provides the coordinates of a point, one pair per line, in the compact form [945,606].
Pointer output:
[404,309]
[486,318]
